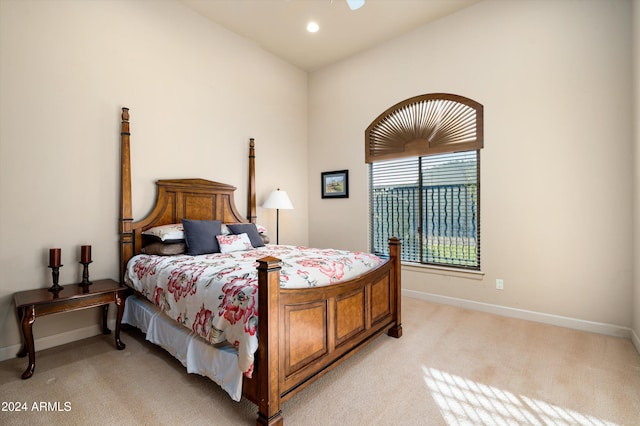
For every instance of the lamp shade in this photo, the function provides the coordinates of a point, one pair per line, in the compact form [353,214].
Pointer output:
[278,200]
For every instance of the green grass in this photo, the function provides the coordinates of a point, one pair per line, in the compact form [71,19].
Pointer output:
[453,254]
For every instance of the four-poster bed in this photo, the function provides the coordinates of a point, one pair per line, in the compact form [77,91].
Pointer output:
[302,332]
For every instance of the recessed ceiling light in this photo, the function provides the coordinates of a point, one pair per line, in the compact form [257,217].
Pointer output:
[355,4]
[312,27]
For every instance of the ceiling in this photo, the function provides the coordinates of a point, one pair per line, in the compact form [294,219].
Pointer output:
[279,26]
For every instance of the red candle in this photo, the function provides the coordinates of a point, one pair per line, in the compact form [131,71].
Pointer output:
[85,254]
[54,257]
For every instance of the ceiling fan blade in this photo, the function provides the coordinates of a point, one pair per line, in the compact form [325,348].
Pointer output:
[355,4]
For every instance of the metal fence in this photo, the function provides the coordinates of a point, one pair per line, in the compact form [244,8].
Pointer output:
[437,224]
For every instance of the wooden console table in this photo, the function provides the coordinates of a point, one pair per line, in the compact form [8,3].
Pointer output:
[32,304]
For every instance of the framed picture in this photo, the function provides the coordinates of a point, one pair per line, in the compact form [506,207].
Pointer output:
[335,184]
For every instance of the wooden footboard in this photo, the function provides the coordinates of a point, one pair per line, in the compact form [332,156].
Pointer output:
[304,333]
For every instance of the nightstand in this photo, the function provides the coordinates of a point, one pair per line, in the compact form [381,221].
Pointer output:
[32,304]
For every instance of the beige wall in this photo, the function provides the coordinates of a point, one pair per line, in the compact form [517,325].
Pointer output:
[636,211]
[197,93]
[554,79]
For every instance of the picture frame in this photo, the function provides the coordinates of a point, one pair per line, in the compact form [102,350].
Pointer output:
[335,184]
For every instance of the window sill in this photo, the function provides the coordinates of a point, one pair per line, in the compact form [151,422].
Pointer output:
[441,270]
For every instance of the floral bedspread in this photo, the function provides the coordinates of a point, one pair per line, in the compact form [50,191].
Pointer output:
[215,295]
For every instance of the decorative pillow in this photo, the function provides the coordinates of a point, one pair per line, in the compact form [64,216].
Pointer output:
[225,230]
[166,233]
[247,228]
[165,249]
[236,242]
[201,236]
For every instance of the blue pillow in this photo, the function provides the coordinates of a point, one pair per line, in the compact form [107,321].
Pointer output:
[247,228]
[200,236]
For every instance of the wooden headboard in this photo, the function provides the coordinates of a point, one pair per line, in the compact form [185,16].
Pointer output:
[176,199]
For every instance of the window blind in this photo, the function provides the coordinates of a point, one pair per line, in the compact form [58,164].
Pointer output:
[432,204]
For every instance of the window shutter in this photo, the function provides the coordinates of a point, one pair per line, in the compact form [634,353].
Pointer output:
[425,125]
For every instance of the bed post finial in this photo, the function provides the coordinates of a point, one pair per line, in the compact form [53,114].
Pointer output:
[126,234]
[251,202]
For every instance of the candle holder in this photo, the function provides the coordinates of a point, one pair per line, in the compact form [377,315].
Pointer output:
[85,274]
[55,275]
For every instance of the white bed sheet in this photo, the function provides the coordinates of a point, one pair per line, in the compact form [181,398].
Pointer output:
[219,362]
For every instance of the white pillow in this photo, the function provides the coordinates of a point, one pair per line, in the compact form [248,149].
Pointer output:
[231,243]
[172,232]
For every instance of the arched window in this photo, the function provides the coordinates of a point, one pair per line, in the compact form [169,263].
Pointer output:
[424,156]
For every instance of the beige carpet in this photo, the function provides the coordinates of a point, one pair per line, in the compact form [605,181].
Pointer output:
[451,367]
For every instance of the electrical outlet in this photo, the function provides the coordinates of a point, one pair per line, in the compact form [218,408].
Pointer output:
[499,284]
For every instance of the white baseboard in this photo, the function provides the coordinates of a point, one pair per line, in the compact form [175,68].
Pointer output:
[577,324]
[57,339]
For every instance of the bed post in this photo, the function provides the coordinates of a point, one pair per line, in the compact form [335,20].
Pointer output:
[126,234]
[269,412]
[394,255]
[251,202]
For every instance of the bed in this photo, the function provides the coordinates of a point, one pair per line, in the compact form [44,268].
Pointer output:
[302,332]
